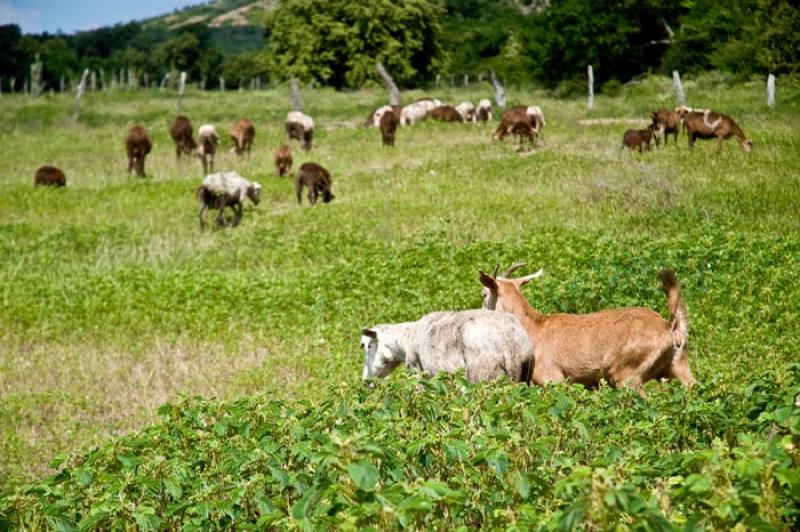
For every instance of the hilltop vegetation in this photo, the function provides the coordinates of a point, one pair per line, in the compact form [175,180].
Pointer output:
[114,304]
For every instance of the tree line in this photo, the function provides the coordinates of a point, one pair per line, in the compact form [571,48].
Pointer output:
[337,42]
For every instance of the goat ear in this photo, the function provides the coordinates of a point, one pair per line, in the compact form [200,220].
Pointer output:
[528,278]
[488,281]
[370,333]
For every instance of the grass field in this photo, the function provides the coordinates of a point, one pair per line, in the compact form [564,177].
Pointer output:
[114,303]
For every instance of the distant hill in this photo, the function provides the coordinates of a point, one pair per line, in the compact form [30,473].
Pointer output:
[235,24]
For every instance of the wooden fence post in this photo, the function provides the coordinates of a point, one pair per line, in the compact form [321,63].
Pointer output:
[466,80]
[676,82]
[771,91]
[221,84]
[391,86]
[181,87]
[499,91]
[297,105]
[590,102]
[93,80]
[78,93]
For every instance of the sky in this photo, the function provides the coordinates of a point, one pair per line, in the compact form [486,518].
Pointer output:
[69,16]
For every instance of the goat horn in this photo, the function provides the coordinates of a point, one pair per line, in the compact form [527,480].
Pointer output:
[514,267]
[496,269]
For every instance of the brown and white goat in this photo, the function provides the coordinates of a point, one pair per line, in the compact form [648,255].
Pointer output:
[300,126]
[521,113]
[137,145]
[50,176]
[242,133]
[374,118]
[389,123]
[483,113]
[667,121]
[635,139]
[707,124]
[283,160]
[207,146]
[181,133]
[628,346]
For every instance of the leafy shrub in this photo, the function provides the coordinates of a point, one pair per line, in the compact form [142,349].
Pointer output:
[444,453]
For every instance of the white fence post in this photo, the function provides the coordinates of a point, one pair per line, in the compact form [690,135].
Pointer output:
[222,84]
[297,105]
[590,102]
[771,91]
[676,81]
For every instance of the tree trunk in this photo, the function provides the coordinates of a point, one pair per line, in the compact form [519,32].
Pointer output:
[391,86]
[499,91]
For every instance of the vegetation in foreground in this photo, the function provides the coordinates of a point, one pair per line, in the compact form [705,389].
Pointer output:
[114,303]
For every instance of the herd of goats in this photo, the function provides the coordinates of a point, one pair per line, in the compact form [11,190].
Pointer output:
[229,189]
[507,337]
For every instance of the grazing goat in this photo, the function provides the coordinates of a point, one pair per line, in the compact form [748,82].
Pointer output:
[635,139]
[483,113]
[207,146]
[521,113]
[389,122]
[623,346]
[318,181]
[50,176]
[283,160]
[523,131]
[226,189]
[485,344]
[374,118]
[446,113]
[418,111]
[669,122]
[707,124]
[242,133]
[181,133]
[137,145]
[467,111]
[301,127]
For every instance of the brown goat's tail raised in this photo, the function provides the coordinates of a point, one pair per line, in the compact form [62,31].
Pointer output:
[678,316]
[679,327]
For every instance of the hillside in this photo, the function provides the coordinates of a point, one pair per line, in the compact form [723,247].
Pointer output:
[155,377]
[214,14]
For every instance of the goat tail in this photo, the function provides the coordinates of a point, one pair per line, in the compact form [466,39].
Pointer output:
[678,315]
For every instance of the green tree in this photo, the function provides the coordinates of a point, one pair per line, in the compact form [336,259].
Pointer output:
[337,42]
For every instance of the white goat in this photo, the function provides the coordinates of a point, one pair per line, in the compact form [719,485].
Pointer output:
[484,343]
[418,110]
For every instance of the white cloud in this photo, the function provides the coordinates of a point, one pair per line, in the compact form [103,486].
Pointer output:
[28,19]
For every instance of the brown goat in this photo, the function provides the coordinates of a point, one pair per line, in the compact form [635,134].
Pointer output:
[707,124]
[50,176]
[242,133]
[138,145]
[669,122]
[181,133]
[389,123]
[283,160]
[523,131]
[318,181]
[446,113]
[520,113]
[635,139]
[628,346]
